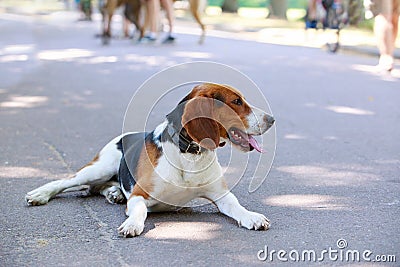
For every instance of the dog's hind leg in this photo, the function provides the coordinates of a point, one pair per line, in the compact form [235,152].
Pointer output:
[108,12]
[98,172]
[194,9]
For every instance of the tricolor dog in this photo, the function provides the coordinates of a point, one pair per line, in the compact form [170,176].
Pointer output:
[164,169]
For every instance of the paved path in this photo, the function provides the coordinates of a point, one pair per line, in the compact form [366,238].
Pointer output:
[63,95]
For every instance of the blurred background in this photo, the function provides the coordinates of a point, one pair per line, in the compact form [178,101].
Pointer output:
[271,21]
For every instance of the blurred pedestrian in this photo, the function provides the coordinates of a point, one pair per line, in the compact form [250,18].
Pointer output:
[169,10]
[386,14]
[153,16]
[311,17]
[85,7]
[151,19]
[329,12]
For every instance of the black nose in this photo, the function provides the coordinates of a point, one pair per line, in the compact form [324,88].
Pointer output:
[269,120]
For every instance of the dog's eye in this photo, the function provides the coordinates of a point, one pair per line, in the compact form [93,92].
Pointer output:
[238,102]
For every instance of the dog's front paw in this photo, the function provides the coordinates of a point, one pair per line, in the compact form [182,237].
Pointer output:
[254,220]
[131,228]
[37,197]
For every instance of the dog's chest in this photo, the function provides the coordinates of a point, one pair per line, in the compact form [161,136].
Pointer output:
[179,178]
[185,169]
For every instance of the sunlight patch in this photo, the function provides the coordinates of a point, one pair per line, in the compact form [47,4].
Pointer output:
[311,201]
[253,13]
[24,102]
[349,110]
[294,136]
[13,58]
[64,54]
[330,175]
[17,49]
[99,60]
[191,54]
[21,172]
[184,230]
[392,76]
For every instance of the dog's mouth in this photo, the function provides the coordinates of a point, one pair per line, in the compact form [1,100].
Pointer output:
[243,140]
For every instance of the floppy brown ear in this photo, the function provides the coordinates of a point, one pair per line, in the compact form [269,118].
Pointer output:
[198,121]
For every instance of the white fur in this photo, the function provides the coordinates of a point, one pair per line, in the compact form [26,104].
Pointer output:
[96,174]
[257,125]
[137,213]
[229,205]
[158,131]
[181,177]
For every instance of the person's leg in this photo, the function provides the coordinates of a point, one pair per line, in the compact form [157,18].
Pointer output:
[125,27]
[169,10]
[312,10]
[383,29]
[311,19]
[395,20]
[152,14]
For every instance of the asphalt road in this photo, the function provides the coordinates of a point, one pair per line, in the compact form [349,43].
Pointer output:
[335,174]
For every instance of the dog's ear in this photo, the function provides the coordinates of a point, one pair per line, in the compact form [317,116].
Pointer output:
[199,122]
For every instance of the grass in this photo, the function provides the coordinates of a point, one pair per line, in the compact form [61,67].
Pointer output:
[366,24]
[296,4]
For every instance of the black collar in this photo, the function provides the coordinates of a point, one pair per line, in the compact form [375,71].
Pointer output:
[184,141]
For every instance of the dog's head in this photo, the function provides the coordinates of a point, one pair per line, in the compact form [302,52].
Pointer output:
[213,114]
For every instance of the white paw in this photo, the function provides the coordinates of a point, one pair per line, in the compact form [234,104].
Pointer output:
[114,195]
[38,197]
[254,220]
[131,228]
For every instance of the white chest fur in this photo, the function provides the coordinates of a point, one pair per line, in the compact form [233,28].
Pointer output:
[181,177]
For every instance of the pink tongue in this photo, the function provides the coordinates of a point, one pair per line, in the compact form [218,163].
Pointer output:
[253,143]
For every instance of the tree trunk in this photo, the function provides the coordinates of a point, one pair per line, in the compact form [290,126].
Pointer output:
[230,6]
[355,10]
[278,9]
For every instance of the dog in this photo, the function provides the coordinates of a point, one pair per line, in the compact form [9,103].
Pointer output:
[133,14]
[164,169]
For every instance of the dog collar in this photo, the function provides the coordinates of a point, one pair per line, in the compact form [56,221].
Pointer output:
[184,141]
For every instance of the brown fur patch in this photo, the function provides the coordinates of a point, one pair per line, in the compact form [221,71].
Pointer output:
[198,120]
[147,162]
[227,115]
[94,160]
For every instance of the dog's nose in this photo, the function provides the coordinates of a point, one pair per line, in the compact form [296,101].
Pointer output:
[269,120]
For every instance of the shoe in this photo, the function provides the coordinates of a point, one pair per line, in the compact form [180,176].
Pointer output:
[170,39]
[311,24]
[147,39]
[386,63]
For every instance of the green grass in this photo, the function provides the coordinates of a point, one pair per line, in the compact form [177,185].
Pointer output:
[252,3]
[295,4]
[366,24]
